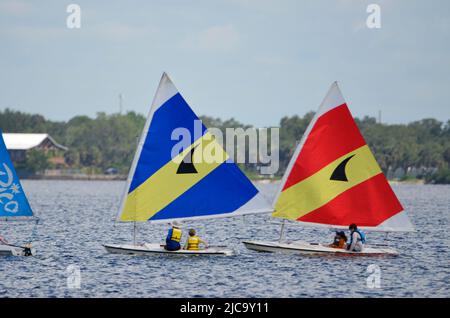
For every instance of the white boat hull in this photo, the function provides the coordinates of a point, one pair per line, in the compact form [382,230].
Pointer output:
[158,249]
[305,248]
[7,250]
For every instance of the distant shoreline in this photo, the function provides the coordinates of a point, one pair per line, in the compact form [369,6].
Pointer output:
[119,177]
[87,177]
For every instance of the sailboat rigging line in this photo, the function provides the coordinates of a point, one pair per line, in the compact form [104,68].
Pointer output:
[33,234]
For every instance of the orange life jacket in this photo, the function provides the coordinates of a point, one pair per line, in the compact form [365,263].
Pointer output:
[340,244]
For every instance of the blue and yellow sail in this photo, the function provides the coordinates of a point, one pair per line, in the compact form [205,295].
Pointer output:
[13,202]
[198,180]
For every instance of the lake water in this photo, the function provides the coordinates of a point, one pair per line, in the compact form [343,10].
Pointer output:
[77,217]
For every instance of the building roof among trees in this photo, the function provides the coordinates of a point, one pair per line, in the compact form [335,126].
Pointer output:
[17,141]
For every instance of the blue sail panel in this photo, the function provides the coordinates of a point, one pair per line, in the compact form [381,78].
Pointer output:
[222,191]
[183,184]
[156,151]
[13,202]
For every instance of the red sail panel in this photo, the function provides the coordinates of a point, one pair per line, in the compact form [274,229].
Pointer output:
[334,134]
[367,204]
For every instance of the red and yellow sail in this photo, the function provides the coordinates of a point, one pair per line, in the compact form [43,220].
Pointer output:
[333,178]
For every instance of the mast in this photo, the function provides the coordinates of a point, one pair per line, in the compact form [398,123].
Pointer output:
[282,231]
[134,222]
[134,233]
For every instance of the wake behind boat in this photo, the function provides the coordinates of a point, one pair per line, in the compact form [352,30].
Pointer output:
[333,180]
[196,181]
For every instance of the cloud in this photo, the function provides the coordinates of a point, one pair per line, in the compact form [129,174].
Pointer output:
[263,5]
[270,60]
[214,38]
[30,33]
[15,8]
[121,32]
[109,32]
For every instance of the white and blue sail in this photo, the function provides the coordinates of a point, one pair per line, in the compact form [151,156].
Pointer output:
[164,184]
[13,201]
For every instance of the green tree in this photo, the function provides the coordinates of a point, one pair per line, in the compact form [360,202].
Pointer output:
[36,161]
[72,157]
[109,140]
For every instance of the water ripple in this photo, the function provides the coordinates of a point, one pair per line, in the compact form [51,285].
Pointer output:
[76,218]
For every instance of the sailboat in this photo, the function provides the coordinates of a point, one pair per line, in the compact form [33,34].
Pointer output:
[14,205]
[333,180]
[169,183]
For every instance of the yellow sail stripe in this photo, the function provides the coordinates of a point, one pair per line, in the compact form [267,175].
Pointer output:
[317,190]
[165,185]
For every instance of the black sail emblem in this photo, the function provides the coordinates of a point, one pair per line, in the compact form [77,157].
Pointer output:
[187,166]
[339,173]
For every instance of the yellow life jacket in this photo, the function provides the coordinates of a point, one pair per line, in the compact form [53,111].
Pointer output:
[176,235]
[193,242]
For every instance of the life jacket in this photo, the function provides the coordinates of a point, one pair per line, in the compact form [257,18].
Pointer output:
[193,242]
[174,235]
[341,243]
[338,242]
[362,237]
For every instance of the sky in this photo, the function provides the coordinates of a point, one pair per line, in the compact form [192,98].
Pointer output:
[253,60]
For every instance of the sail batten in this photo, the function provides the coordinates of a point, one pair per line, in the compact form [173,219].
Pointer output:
[188,183]
[333,178]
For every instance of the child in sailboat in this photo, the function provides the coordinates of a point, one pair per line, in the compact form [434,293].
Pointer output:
[173,237]
[357,239]
[340,240]
[194,241]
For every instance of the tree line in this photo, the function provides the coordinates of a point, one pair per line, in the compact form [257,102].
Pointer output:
[420,149]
